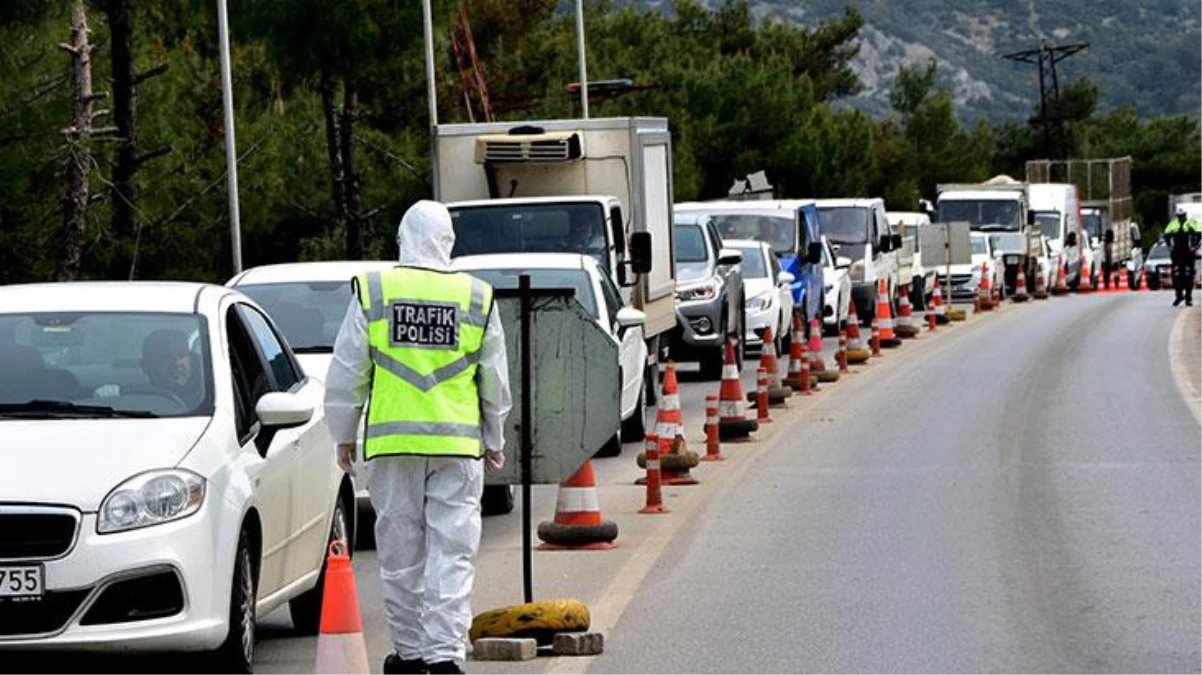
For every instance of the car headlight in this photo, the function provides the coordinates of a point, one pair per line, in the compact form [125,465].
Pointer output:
[828,287]
[151,498]
[976,271]
[759,302]
[857,271]
[706,290]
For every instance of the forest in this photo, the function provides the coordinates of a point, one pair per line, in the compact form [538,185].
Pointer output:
[125,179]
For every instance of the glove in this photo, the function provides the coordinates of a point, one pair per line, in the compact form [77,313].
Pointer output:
[346,457]
[494,460]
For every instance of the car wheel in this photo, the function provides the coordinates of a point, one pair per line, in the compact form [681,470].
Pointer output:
[497,500]
[237,653]
[306,608]
[612,447]
[635,428]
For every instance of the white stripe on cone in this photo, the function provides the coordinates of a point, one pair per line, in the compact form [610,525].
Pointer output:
[729,409]
[671,402]
[577,500]
[341,653]
[730,372]
[667,430]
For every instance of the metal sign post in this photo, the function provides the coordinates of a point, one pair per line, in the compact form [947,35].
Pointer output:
[527,449]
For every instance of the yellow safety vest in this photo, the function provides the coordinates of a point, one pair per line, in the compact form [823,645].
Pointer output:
[425,328]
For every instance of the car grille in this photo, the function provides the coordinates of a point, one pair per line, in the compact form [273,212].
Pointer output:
[47,614]
[36,532]
[957,279]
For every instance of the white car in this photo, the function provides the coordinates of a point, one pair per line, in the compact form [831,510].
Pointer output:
[966,279]
[768,293]
[182,483]
[836,296]
[919,278]
[600,297]
[308,302]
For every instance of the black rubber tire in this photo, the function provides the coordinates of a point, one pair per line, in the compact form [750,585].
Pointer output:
[634,429]
[576,535]
[306,607]
[496,500]
[237,653]
[651,385]
[612,447]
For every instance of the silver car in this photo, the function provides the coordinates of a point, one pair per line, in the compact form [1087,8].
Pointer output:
[709,296]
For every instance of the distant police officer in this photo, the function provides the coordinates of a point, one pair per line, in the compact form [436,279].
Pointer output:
[428,344]
[1183,237]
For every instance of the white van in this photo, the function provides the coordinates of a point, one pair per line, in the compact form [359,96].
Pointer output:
[1057,211]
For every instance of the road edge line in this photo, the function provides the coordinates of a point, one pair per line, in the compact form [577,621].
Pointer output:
[1185,383]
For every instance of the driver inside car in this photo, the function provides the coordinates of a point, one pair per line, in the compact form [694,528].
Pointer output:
[167,362]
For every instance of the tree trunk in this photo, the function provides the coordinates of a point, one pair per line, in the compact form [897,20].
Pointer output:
[79,160]
[351,181]
[125,112]
[333,145]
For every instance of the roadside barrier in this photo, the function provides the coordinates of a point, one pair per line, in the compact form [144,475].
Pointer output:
[340,645]
[578,523]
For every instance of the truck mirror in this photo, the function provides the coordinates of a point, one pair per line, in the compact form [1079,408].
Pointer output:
[895,241]
[814,253]
[1108,237]
[1030,217]
[640,252]
[883,244]
[616,226]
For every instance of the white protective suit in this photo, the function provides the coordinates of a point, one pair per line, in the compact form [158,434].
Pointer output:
[427,509]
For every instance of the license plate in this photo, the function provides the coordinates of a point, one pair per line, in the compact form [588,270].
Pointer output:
[21,581]
[1011,260]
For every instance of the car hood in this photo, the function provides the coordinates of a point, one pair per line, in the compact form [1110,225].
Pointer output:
[78,461]
[754,287]
[689,272]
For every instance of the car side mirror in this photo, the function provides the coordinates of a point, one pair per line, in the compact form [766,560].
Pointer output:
[896,241]
[884,244]
[729,256]
[785,278]
[640,252]
[282,410]
[842,262]
[628,317]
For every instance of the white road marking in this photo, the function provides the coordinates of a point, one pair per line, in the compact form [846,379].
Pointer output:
[1187,385]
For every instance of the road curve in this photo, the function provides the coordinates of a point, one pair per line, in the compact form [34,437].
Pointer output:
[1019,495]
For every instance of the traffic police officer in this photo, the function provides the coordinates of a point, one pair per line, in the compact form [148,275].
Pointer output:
[428,344]
[1182,237]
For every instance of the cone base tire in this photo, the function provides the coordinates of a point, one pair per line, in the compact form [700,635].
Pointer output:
[906,331]
[826,376]
[891,343]
[858,355]
[538,620]
[956,315]
[736,429]
[674,462]
[554,533]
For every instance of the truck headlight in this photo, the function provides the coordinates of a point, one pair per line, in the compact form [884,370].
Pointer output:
[151,498]
[706,290]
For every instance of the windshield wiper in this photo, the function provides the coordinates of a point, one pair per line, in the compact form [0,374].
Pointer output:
[46,408]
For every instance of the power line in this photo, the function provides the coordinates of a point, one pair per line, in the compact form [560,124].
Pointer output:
[1045,57]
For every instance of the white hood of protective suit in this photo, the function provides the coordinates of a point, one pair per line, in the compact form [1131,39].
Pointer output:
[425,236]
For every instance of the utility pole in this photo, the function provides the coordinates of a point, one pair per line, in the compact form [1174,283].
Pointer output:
[231,152]
[1045,57]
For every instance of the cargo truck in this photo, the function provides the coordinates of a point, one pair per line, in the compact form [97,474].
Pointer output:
[598,186]
[999,205]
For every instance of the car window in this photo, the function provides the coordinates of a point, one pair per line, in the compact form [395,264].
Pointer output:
[249,378]
[308,313]
[576,279]
[774,267]
[152,363]
[689,244]
[283,369]
[845,224]
[753,263]
[613,300]
[714,239]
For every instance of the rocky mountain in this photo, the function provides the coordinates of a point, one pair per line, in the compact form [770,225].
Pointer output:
[1147,53]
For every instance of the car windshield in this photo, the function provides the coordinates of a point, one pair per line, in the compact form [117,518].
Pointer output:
[531,228]
[1049,222]
[309,313]
[689,244]
[577,280]
[1159,250]
[778,231]
[978,246]
[753,265]
[845,224]
[104,364]
[1008,243]
[1000,214]
[1092,223]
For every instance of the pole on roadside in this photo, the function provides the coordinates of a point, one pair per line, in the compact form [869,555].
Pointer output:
[431,90]
[231,151]
[527,441]
[582,58]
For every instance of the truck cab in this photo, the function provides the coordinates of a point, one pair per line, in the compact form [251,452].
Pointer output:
[859,229]
[997,206]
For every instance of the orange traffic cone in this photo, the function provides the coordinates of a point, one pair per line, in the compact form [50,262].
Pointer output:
[732,424]
[761,397]
[905,319]
[856,351]
[841,355]
[940,310]
[713,449]
[655,495]
[1142,283]
[1020,287]
[578,524]
[777,393]
[1124,285]
[817,364]
[1085,280]
[1061,285]
[884,317]
[875,341]
[798,360]
[985,288]
[340,646]
[1041,287]
[675,458]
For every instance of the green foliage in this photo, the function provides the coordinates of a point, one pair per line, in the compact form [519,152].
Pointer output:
[741,95]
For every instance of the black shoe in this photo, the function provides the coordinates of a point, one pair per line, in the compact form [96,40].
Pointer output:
[395,664]
[1189,302]
[444,667]
[1177,302]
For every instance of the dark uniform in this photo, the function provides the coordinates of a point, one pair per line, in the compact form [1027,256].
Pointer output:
[1183,237]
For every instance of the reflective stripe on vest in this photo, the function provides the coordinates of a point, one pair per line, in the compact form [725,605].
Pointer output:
[425,329]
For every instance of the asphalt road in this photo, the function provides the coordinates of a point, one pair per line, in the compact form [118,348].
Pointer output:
[1016,493]
[1022,496]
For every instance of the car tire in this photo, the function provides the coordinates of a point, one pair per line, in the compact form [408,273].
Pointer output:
[497,500]
[306,607]
[635,427]
[237,653]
